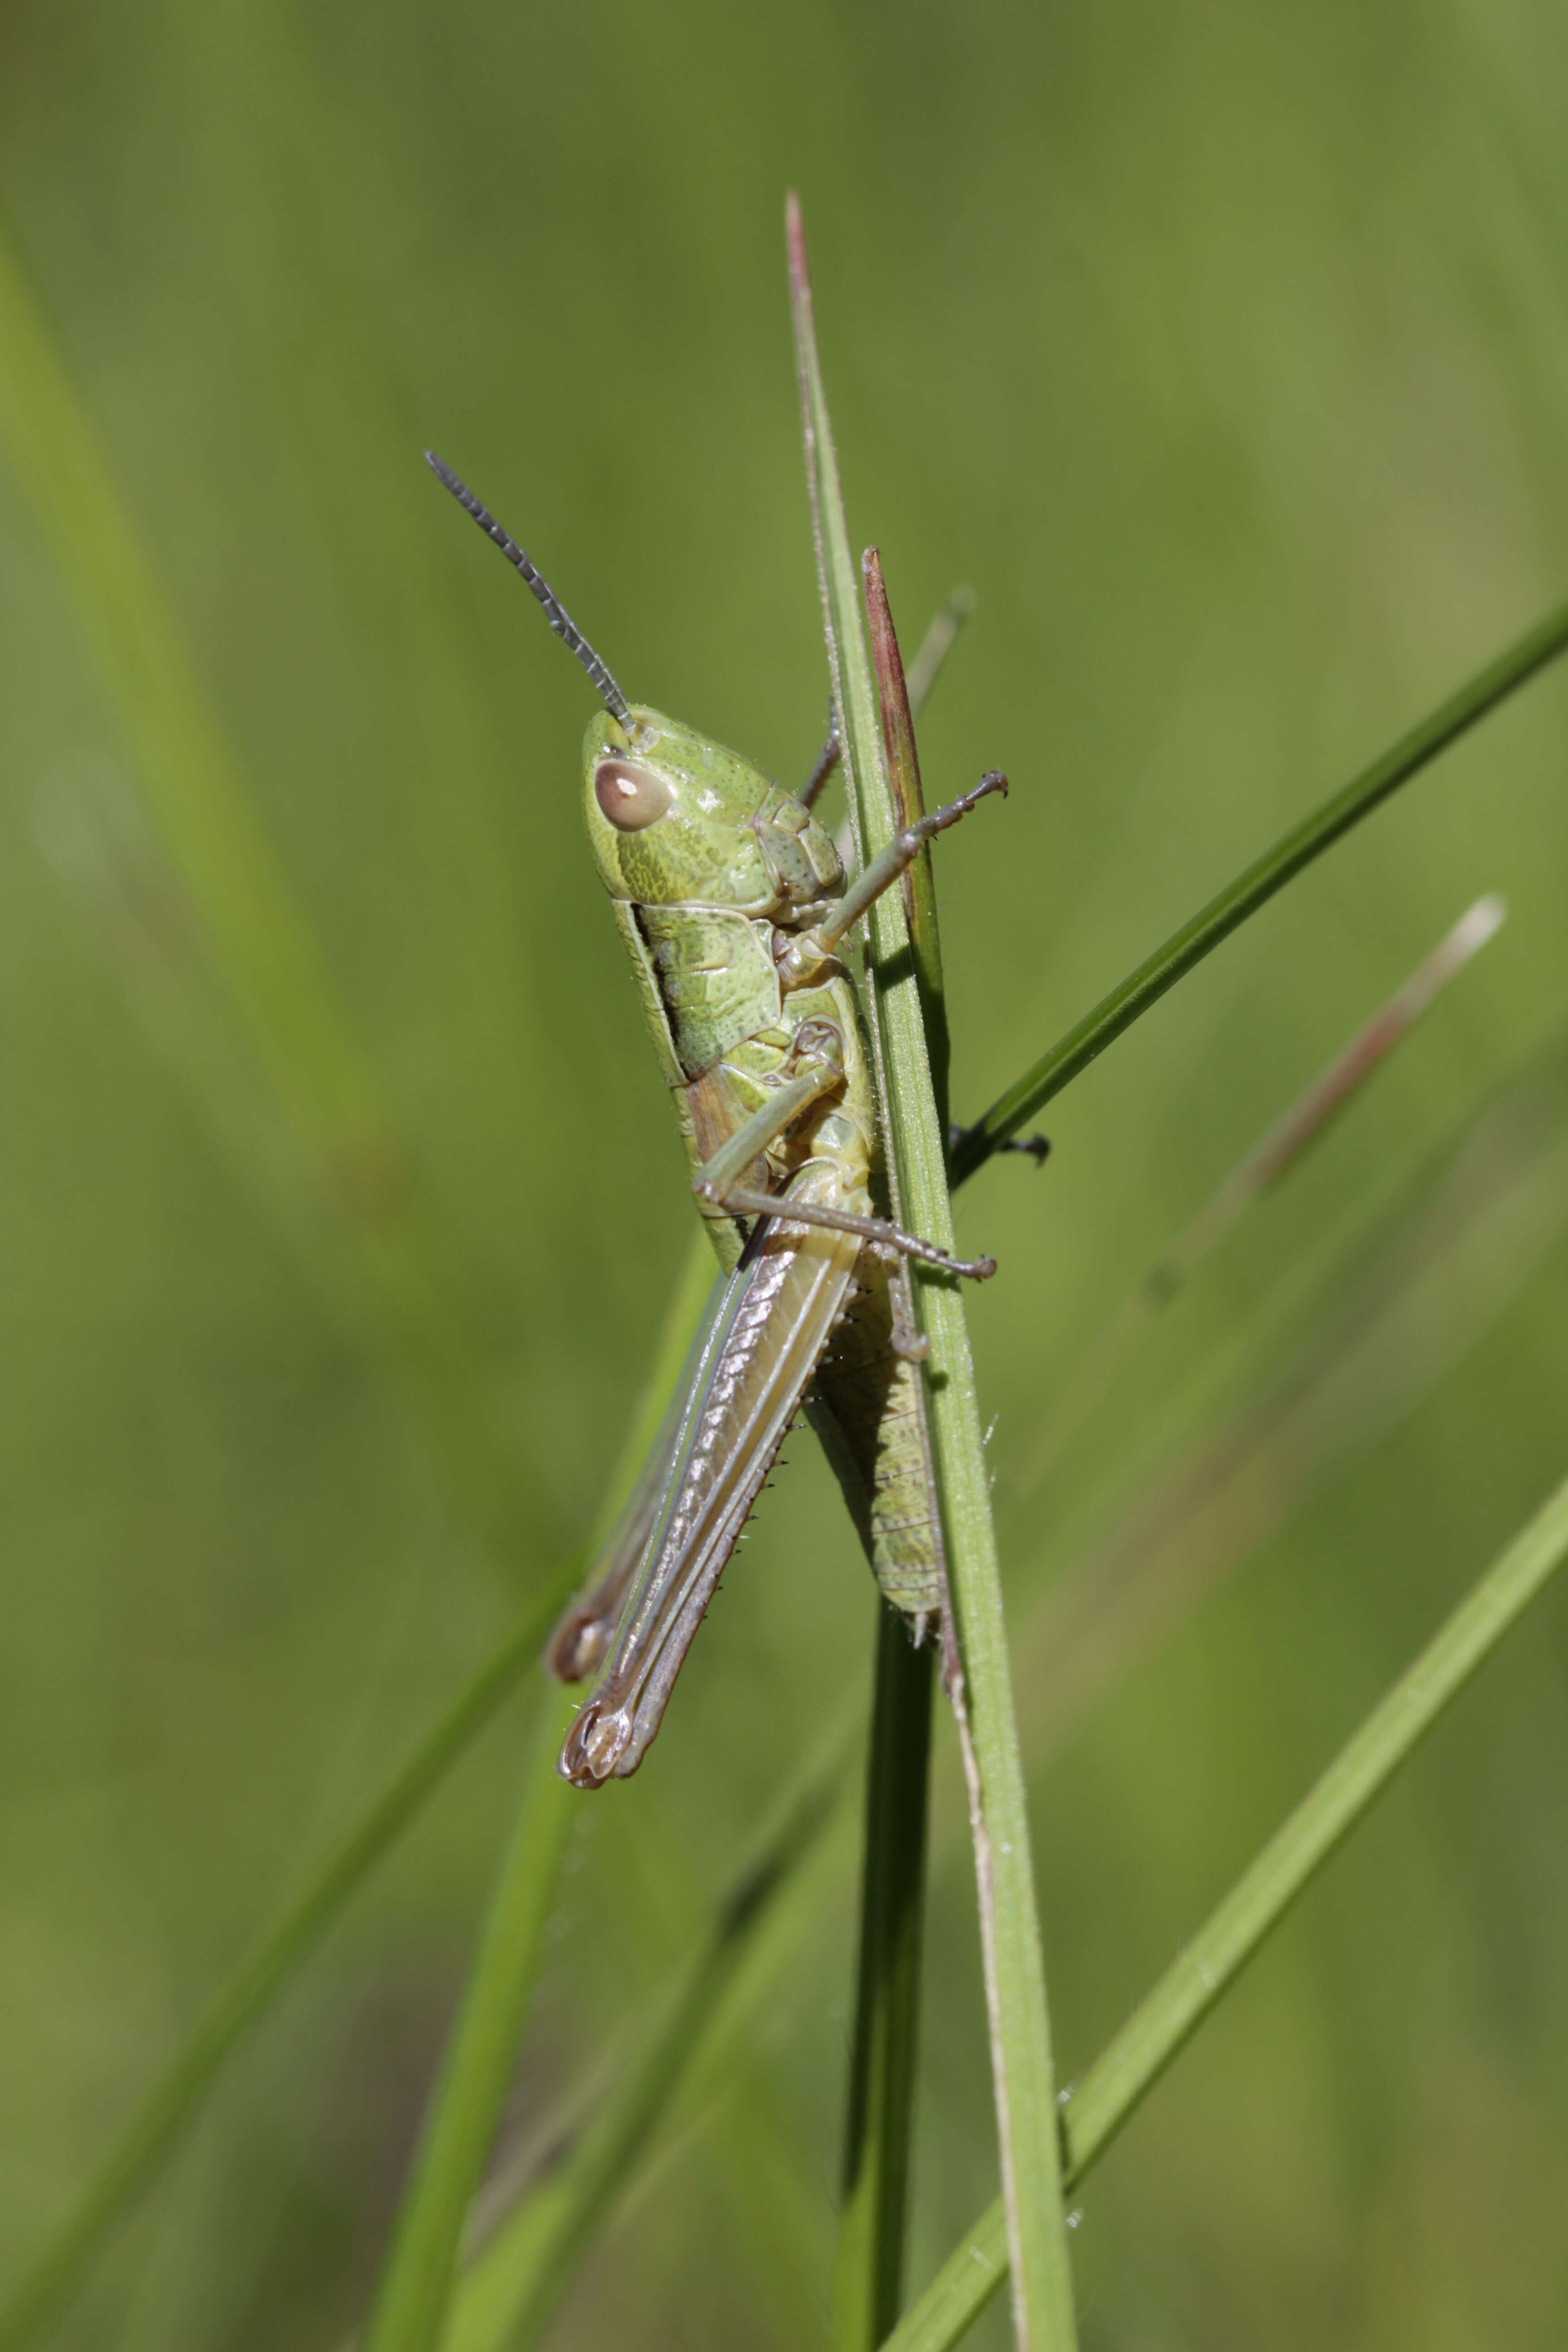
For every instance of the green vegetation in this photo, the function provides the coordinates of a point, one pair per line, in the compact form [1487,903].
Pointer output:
[342,1207]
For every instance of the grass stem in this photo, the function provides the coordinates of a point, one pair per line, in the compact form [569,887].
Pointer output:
[868,2286]
[1021,2053]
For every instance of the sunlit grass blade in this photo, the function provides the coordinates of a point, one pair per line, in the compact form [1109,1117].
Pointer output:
[509,2291]
[1025,2088]
[245,912]
[1258,1173]
[1256,884]
[1122,2075]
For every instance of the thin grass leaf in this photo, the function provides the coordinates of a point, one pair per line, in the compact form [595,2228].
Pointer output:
[246,913]
[1255,1175]
[1256,884]
[1121,2077]
[1024,2089]
[509,2291]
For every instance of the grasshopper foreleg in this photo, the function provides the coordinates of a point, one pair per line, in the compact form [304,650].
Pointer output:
[803,956]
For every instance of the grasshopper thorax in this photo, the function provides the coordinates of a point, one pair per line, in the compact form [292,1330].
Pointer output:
[676,820]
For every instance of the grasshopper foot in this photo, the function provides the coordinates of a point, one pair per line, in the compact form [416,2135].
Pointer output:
[595,1746]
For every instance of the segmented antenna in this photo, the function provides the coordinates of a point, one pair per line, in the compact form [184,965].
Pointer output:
[555,612]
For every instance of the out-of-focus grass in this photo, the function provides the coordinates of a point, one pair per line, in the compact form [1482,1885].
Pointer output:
[1221,355]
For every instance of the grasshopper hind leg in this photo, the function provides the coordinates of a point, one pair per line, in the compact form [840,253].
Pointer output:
[880,1236]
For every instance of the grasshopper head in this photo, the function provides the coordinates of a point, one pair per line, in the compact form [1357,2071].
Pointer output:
[676,820]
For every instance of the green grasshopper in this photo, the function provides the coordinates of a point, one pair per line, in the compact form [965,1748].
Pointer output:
[734,907]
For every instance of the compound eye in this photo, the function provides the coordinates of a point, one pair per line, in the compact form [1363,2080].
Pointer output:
[631,797]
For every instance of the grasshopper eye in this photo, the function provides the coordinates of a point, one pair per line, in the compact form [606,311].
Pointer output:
[631,797]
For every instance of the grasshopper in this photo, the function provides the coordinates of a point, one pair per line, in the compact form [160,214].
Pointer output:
[734,907]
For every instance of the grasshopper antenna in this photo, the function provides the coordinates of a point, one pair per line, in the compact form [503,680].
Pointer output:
[555,612]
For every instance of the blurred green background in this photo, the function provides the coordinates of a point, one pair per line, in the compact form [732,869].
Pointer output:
[1224,352]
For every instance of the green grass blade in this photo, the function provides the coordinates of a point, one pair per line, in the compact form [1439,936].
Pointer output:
[868,2286]
[246,912]
[1025,2095]
[507,2295]
[1120,2078]
[1254,887]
